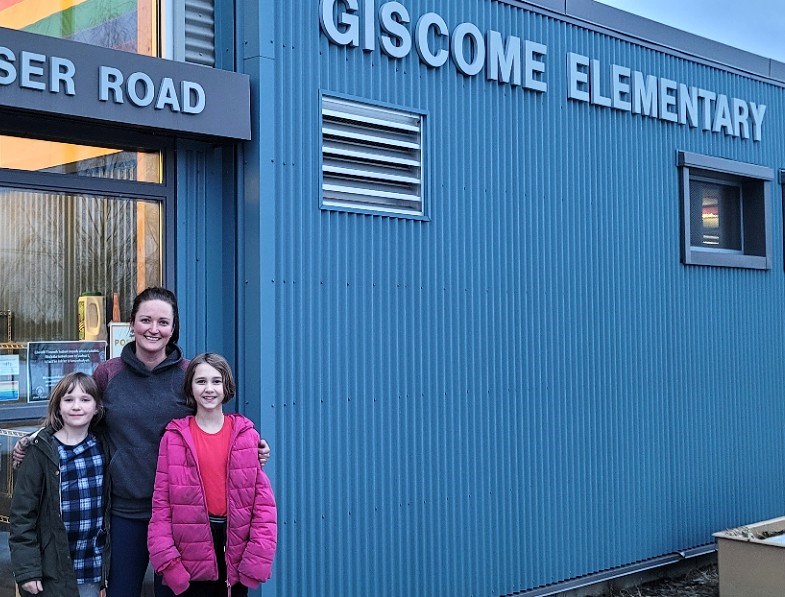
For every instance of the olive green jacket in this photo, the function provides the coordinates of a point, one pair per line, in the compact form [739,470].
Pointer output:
[38,539]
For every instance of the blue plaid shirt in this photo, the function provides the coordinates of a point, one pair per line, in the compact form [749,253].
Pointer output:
[82,505]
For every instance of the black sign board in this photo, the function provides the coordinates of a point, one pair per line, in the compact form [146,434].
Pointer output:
[61,77]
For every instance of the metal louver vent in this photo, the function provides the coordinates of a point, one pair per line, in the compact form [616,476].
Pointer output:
[371,157]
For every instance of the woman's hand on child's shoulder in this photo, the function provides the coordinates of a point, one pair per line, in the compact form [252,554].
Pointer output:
[18,454]
[264,451]
[33,586]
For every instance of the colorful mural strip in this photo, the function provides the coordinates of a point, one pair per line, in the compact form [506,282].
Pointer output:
[19,14]
[128,25]
[85,15]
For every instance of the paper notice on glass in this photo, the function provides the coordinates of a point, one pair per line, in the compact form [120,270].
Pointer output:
[9,364]
[49,362]
[120,334]
[9,377]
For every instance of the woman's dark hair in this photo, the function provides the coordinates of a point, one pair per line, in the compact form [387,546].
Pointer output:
[221,365]
[156,293]
[65,385]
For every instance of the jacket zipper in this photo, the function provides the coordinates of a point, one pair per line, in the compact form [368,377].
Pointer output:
[204,496]
[232,439]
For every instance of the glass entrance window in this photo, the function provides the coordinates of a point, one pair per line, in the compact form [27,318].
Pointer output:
[58,246]
[129,25]
[37,155]
[81,233]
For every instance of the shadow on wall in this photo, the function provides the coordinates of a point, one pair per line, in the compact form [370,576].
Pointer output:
[8,587]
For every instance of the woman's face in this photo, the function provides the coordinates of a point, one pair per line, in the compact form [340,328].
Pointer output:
[153,326]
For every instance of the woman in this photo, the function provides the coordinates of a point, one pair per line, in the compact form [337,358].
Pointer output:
[142,392]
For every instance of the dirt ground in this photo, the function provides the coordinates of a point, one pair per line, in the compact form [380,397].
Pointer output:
[702,582]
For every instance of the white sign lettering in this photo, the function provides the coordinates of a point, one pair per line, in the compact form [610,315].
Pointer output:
[142,91]
[522,63]
[662,98]
[37,72]
[469,49]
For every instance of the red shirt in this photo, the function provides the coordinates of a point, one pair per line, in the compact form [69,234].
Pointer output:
[212,454]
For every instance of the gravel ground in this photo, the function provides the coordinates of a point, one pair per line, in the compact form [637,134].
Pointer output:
[702,582]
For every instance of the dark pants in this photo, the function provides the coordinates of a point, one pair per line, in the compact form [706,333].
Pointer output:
[216,588]
[129,559]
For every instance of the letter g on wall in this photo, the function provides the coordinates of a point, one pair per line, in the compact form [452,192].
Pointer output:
[346,30]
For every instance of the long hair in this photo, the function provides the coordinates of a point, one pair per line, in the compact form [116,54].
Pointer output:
[157,293]
[221,365]
[65,385]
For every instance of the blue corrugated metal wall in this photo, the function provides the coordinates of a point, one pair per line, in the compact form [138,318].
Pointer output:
[528,387]
[205,257]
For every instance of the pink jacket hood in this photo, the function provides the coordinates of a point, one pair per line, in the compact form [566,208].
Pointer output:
[179,537]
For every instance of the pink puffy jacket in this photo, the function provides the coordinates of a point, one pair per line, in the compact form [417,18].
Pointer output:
[179,537]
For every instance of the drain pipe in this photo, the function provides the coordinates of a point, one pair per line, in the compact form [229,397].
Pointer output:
[606,576]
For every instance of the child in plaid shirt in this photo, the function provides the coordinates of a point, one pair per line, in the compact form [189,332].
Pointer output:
[57,535]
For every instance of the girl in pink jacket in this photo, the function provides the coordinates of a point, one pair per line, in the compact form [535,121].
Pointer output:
[214,521]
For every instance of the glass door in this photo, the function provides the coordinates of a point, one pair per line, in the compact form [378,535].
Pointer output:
[82,231]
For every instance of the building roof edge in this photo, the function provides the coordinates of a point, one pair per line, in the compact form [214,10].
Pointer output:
[652,33]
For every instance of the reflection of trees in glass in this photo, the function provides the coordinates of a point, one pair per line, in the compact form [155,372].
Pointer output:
[56,246]
[114,240]
[117,165]
[119,33]
[149,261]
[31,258]
[104,247]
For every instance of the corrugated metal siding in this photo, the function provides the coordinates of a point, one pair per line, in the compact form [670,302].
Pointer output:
[205,255]
[200,32]
[528,387]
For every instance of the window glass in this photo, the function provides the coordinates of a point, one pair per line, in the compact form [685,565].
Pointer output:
[10,432]
[130,25]
[58,246]
[726,212]
[35,155]
[716,215]
[71,260]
